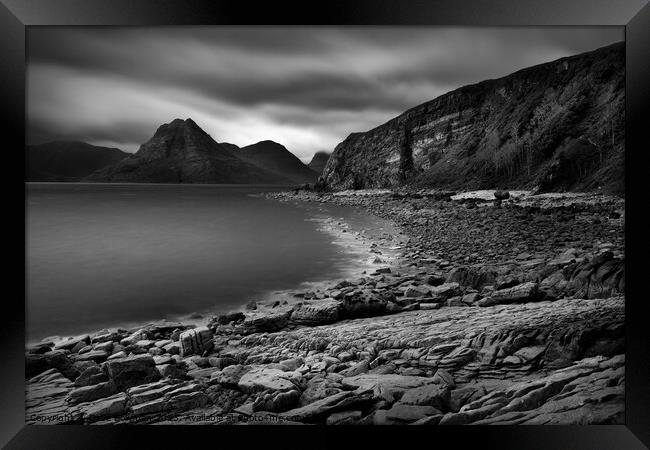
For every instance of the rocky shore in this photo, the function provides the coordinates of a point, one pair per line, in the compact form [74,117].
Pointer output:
[499,308]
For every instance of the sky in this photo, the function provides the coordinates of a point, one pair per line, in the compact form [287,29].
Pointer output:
[307,88]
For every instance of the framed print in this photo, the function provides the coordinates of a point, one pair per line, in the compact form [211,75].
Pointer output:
[326,223]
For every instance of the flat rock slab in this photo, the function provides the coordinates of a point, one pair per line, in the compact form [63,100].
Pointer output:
[131,371]
[265,379]
[368,381]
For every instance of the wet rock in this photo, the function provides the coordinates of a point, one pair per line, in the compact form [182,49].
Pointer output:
[131,371]
[264,379]
[316,312]
[70,343]
[521,293]
[196,341]
[92,392]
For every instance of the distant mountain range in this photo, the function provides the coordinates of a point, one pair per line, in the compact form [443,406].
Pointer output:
[275,158]
[179,152]
[318,162]
[551,127]
[67,160]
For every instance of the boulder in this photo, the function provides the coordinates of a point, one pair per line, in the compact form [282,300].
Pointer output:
[265,379]
[70,343]
[109,407]
[436,395]
[196,341]
[410,413]
[316,312]
[131,371]
[266,322]
[364,303]
[35,364]
[525,292]
[230,376]
[92,392]
[92,375]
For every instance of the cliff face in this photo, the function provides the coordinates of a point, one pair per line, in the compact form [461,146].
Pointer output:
[552,127]
[181,152]
[67,160]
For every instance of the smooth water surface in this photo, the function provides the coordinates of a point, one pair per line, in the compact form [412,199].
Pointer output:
[102,255]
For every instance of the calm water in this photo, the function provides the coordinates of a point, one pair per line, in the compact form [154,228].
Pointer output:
[107,255]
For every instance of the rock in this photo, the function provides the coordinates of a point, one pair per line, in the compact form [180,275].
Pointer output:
[316,312]
[196,341]
[417,291]
[266,322]
[40,348]
[277,401]
[470,299]
[92,392]
[364,303]
[177,371]
[521,293]
[131,371]
[435,395]
[92,375]
[446,290]
[225,319]
[221,363]
[344,418]
[435,280]
[251,306]
[59,360]
[109,407]
[356,369]
[410,413]
[134,337]
[230,376]
[264,379]
[319,388]
[324,407]
[554,285]
[392,381]
[173,349]
[70,343]
[501,195]
[185,401]
[35,364]
[93,355]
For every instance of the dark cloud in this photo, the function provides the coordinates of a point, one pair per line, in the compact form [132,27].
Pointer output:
[307,87]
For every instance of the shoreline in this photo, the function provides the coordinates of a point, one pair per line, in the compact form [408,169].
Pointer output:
[458,313]
[351,241]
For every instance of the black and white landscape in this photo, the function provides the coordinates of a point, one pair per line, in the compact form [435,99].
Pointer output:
[325,226]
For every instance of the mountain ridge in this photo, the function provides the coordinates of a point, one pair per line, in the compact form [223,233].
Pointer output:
[182,152]
[67,160]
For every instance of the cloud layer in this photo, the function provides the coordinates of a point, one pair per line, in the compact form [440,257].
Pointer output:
[305,87]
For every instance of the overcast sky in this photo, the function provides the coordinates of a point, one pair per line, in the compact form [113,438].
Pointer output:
[307,88]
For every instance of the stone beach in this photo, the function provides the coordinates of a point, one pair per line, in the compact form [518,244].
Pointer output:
[480,309]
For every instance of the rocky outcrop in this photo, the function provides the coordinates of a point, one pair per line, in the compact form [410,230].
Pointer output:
[181,152]
[556,126]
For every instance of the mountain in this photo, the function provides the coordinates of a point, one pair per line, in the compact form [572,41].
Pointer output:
[232,147]
[551,127]
[275,158]
[67,160]
[181,152]
[318,162]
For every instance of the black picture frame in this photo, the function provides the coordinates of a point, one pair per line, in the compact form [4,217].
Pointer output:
[634,15]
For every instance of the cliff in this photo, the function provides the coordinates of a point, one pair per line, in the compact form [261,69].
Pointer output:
[552,127]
